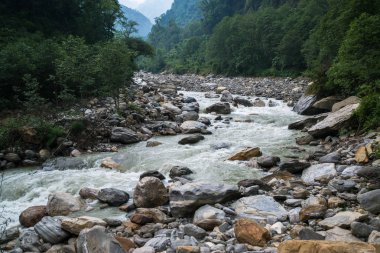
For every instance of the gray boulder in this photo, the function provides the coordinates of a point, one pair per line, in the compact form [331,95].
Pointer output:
[191,139]
[61,203]
[347,101]
[304,105]
[124,135]
[317,172]
[370,201]
[330,158]
[179,171]
[308,122]
[113,197]
[30,241]
[50,230]
[208,217]
[220,108]
[96,240]
[326,104]
[150,192]
[226,97]
[294,166]
[192,126]
[195,231]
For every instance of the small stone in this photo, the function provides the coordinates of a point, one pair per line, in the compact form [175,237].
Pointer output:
[361,155]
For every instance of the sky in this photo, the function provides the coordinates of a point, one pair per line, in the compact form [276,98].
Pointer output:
[150,8]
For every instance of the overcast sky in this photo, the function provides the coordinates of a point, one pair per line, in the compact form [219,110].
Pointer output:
[150,8]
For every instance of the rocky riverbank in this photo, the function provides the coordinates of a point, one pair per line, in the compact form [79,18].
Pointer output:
[328,202]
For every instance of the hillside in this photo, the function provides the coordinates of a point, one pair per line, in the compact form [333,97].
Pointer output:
[182,12]
[144,25]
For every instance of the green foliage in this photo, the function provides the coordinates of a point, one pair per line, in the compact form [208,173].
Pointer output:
[77,127]
[368,114]
[182,13]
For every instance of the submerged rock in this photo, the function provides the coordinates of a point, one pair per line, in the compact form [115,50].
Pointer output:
[191,139]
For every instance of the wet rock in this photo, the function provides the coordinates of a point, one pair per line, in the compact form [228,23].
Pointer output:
[330,158]
[245,154]
[64,163]
[9,234]
[113,197]
[179,171]
[370,201]
[152,173]
[185,199]
[304,140]
[195,231]
[318,171]
[190,127]
[208,217]
[50,230]
[220,108]
[88,193]
[205,121]
[304,105]
[308,234]
[341,219]
[191,139]
[226,97]
[246,183]
[348,101]
[151,144]
[339,234]
[247,231]
[188,116]
[268,161]
[61,203]
[259,208]
[312,208]
[76,225]
[30,241]
[243,102]
[334,122]
[361,230]
[32,215]
[96,240]
[109,163]
[150,192]
[294,166]
[294,246]
[124,135]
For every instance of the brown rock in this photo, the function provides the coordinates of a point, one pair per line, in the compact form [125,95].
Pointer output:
[110,164]
[125,243]
[150,192]
[296,246]
[188,249]
[314,207]
[361,155]
[130,227]
[76,225]
[246,154]
[247,231]
[32,215]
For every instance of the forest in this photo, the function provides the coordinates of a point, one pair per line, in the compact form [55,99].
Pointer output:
[334,42]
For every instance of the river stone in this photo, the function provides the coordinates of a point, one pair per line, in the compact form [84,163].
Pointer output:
[330,158]
[144,249]
[312,208]
[50,230]
[172,108]
[88,193]
[220,108]
[351,171]
[124,135]
[158,243]
[96,240]
[318,171]
[294,166]
[179,171]
[268,161]
[195,231]
[208,217]
[326,104]
[150,192]
[113,197]
[342,185]
[245,154]
[185,199]
[371,173]
[370,201]
[258,103]
[192,126]
[259,208]
[296,246]
[62,249]
[61,203]
[304,105]
[108,163]
[152,173]
[30,241]
[347,101]
[76,225]
[243,101]
[361,230]
[154,214]
[226,97]
[248,231]
[32,215]
[334,122]
[64,163]
[152,144]
[191,139]
[309,234]
[341,219]
[189,115]
[339,234]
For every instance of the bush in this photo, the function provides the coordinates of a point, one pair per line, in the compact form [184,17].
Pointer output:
[368,114]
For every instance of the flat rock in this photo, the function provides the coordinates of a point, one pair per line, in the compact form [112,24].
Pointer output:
[220,108]
[185,199]
[76,225]
[191,139]
[348,101]
[327,103]
[192,126]
[314,172]
[208,217]
[341,219]
[259,208]
[339,234]
[245,154]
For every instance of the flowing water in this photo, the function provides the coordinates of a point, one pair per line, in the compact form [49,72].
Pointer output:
[267,129]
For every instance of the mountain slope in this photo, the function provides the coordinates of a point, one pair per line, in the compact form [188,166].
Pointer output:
[182,12]
[144,25]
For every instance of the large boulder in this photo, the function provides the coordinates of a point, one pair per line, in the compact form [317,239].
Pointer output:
[150,192]
[308,122]
[61,203]
[113,197]
[245,154]
[334,122]
[185,199]
[296,246]
[96,240]
[304,105]
[348,101]
[76,225]
[64,163]
[50,230]
[32,215]
[208,217]
[124,135]
[220,108]
[259,208]
[192,126]
[318,172]
[326,104]
[248,231]
[370,201]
